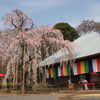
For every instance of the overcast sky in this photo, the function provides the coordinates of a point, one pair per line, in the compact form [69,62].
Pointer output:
[44,12]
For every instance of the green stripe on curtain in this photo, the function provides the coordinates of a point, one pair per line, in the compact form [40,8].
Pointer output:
[54,72]
[86,66]
[68,70]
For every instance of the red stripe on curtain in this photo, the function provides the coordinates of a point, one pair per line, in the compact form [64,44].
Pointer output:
[62,74]
[49,71]
[98,64]
[78,68]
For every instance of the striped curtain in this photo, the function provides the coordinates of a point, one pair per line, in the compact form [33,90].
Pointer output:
[82,67]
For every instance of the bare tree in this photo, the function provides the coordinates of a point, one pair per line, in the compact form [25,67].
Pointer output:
[87,25]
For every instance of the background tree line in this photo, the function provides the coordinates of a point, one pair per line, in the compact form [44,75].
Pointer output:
[70,33]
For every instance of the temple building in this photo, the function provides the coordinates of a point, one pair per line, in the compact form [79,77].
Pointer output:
[86,65]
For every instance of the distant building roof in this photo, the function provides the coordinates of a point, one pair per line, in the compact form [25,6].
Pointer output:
[86,45]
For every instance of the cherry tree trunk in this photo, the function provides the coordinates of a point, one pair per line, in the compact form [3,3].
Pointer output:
[13,81]
[34,78]
[1,72]
[45,76]
[23,83]
[16,73]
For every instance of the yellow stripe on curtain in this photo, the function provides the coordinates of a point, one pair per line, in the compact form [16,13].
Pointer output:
[51,69]
[65,71]
[82,67]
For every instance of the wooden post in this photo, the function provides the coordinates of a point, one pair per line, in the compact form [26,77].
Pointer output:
[93,85]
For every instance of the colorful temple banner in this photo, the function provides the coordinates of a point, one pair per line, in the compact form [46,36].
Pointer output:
[82,67]
[86,66]
[54,72]
[65,70]
[75,69]
[56,68]
[51,69]
[62,74]
[47,73]
[98,64]
[59,71]
[68,70]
